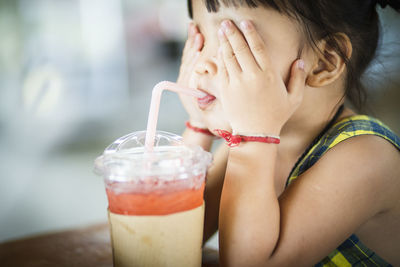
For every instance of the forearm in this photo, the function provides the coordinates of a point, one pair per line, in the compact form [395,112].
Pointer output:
[191,137]
[249,212]
[212,194]
[212,197]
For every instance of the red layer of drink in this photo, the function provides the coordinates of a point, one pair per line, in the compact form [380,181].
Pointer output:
[159,202]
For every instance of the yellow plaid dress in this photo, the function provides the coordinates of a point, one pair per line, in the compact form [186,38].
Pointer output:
[351,252]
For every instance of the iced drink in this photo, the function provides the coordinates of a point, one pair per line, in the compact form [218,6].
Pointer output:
[156,208]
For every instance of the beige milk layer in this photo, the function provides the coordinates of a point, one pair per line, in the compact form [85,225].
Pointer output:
[150,241]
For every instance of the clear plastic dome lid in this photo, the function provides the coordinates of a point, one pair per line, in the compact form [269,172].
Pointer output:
[126,159]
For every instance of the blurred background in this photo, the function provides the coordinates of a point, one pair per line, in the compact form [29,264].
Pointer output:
[77,74]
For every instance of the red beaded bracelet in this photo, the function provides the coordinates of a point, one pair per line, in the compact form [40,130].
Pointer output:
[198,130]
[235,140]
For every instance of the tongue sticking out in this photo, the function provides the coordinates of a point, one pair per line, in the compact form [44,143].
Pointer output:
[205,101]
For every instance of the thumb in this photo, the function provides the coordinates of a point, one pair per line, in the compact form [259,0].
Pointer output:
[297,81]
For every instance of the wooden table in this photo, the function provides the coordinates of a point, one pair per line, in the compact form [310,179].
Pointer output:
[88,246]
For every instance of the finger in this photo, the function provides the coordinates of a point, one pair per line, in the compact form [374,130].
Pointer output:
[239,45]
[193,63]
[231,64]
[191,53]
[198,42]
[297,82]
[256,44]
[192,31]
[222,71]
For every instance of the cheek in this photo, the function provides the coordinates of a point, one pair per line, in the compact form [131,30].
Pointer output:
[210,47]
[282,59]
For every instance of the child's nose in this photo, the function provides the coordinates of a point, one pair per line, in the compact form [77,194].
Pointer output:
[206,66]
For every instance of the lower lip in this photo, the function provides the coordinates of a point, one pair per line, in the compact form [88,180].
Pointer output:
[205,101]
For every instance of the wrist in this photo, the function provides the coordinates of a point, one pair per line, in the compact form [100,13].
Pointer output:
[198,128]
[197,137]
[255,156]
[236,139]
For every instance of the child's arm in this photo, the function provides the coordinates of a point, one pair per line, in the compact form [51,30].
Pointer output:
[343,190]
[212,194]
[214,181]
[315,214]
[215,175]
[191,137]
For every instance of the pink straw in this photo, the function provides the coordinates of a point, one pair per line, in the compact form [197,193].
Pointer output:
[155,106]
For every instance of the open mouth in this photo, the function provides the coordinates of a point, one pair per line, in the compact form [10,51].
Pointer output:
[206,101]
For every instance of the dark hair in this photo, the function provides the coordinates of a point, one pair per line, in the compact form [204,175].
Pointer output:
[324,19]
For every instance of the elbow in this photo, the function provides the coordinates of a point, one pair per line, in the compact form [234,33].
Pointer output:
[246,257]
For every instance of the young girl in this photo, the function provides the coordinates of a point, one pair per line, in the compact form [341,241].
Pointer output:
[301,180]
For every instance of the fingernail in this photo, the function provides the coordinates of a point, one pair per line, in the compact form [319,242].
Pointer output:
[227,26]
[245,25]
[301,64]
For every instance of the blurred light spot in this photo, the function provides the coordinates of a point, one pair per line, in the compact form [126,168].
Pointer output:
[102,28]
[173,19]
[42,91]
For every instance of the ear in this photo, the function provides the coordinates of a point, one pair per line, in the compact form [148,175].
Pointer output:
[329,63]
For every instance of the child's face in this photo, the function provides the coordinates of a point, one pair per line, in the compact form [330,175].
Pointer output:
[281,35]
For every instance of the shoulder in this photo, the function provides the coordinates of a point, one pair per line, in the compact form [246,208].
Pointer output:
[356,125]
[365,164]
[350,184]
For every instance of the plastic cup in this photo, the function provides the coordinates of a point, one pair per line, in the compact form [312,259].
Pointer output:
[156,207]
